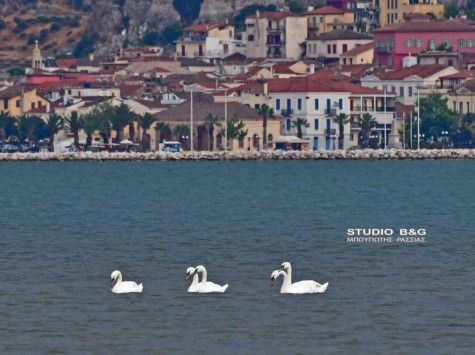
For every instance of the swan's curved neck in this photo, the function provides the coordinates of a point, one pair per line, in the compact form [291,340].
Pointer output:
[289,274]
[285,283]
[194,283]
[204,277]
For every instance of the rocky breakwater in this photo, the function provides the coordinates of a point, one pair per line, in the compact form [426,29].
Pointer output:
[368,154]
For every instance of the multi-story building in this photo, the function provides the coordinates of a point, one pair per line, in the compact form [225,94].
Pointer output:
[362,54]
[19,99]
[328,18]
[278,35]
[332,45]
[208,40]
[393,43]
[320,101]
[392,12]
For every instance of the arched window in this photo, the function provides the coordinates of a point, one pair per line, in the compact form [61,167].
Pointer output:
[270,141]
[255,141]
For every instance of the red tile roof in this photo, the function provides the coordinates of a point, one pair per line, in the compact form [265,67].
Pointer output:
[359,49]
[283,67]
[67,62]
[203,27]
[325,10]
[454,25]
[128,90]
[464,74]
[422,71]
[275,15]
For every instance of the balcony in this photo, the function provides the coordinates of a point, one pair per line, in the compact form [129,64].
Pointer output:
[274,43]
[330,112]
[354,125]
[388,109]
[384,49]
[287,112]
[275,29]
[182,54]
[330,132]
[198,54]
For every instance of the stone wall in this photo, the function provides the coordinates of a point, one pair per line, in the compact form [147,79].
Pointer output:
[390,154]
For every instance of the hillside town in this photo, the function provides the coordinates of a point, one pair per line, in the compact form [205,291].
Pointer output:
[349,75]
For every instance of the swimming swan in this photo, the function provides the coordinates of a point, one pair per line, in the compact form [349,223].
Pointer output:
[288,269]
[195,285]
[300,287]
[207,286]
[119,286]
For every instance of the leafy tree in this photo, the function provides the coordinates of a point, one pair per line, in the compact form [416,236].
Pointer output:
[210,122]
[342,119]
[90,123]
[85,45]
[53,124]
[55,27]
[299,123]
[188,10]
[265,111]
[436,116]
[432,16]
[32,128]
[451,11]
[18,71]
[465,132]
[171,33]
[152,38]
[296,7]
[5,120]
[73,123]
[145,121]
[471,14]
[43,35]
[239,19]
[366,122]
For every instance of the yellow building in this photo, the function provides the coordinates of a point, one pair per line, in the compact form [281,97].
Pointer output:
[328,18]
[392,12]
[362,54]
[195,39]
[20,99]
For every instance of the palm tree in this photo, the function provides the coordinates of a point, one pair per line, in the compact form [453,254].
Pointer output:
[160,127]
[366,122]
[30,127]
[265,111]
[210,121]
[53,124]
[145,122]
[180,131]
[73,122]
[342,119]
[299,123]
[5,121]
[90,122]
[121,116]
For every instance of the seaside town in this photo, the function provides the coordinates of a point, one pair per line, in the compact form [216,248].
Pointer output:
[341,76]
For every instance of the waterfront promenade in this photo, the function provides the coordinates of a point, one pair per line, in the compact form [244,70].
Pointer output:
[368,154]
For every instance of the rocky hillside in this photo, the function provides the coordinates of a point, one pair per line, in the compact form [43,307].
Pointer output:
[60,25]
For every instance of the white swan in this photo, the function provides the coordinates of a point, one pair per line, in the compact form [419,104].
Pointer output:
[119,286]
[207,286]
[288,269]
[301,287]
[195,285]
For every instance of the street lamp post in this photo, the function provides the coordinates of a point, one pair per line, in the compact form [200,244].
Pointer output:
[419,136]
[191,119]
[418,120]
[225,120]
[444,138]
[385,118]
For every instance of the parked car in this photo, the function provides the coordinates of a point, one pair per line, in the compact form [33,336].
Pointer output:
[23,148]
[8,148]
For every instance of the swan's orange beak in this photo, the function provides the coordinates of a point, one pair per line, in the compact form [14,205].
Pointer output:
[272,280]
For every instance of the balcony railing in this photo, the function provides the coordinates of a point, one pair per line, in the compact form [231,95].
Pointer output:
[330,132]
[198,54]
[330,111]
[275,29]
[182,54]
[388,109]
[384,49]
[287,112]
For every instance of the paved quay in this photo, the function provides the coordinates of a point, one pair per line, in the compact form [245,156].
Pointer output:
[368,154]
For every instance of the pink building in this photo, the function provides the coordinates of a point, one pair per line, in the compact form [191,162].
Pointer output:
[39,76]
[393,43]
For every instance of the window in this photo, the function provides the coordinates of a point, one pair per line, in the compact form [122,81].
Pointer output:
[321,19]
[316,124]
[314,21]
[393,89]
[461,42]
[316,104]
[410,91]
[345,48]
[32,105]
[390,60]
[340,104]
[18,103]
[334,48]
[40,104]
[329,49]
[288,124]
[250,38]
[419,42]
[470,42]
[5,104]
[455,106]
[409,43]
[257,106]
[395,6]
[461,107]
[389,18]
[468,107]
[289,104]
[277,104]
[447,42]
[401,91]
[299,104]
[432,43]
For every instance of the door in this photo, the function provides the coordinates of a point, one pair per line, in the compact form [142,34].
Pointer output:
[327,143]
[225,48]
[315,143]
[200,50]
[183,51]
[329,105]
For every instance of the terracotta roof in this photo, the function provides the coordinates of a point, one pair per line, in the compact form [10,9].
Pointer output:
[469,85]
[41,72]
[325,10]
[161,70]
[275,15]
[181,112]
[422,71]
[240,88]
[356,70]
[152,104]
[417,17]
[203,27]
[14,91]
[359,49]
[43,108]
[128,90]
[454,25]
[312,83]
[67,62]
[341,34]
[401,109]
[210,85]
[235,58]
[283,67]
[193,62]
[464,74]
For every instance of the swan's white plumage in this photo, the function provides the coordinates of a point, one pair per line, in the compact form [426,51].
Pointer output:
[208,286]
[301,287]
[195,284]
[119,286]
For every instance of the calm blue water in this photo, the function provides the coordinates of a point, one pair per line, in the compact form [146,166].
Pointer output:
[64,227]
